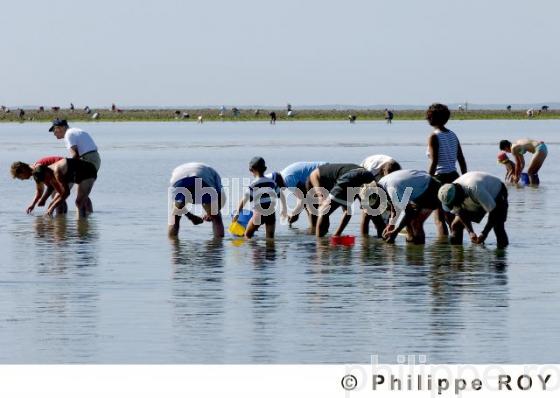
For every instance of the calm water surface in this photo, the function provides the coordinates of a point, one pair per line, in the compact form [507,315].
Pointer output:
[115,289]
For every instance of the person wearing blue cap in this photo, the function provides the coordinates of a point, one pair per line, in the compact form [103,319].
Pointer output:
[262,192]
[200,184]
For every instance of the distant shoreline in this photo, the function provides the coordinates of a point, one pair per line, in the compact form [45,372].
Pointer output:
[163,115]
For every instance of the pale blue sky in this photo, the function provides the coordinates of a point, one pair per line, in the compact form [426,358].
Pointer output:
[171,52]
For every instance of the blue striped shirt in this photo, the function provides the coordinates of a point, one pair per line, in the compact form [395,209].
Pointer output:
[447,153]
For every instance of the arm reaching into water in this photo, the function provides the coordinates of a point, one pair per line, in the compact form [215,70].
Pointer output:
[40,187]
[61,188]
[463,216]
[519,164]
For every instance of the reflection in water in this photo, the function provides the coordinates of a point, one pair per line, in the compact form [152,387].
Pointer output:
[57,259]
[63,242]
[460,277]
[113,289]
[198,296]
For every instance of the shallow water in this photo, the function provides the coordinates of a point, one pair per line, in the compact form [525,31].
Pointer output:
[115,289]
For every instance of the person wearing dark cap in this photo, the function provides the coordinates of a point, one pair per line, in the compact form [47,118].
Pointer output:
[470,197]
[263,192]
[79,143]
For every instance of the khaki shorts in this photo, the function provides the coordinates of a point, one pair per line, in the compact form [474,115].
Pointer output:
[92,157]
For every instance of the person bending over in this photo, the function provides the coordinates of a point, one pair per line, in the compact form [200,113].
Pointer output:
[519,148]
[203,186]
[470,197]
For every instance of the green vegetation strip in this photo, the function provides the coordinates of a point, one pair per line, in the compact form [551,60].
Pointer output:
[161,115]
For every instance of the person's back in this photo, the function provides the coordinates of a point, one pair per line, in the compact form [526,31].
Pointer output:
[297,173]
[447,152]
[375,163]
[329,173]
[80,139]
[481,189]
[48,160]
[261,190]
[197,170]
[398,181]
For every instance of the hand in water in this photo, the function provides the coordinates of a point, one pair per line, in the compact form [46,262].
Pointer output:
[293,219]
[481,238]
[474,238]
[196,220]
[30,209]
[387,232]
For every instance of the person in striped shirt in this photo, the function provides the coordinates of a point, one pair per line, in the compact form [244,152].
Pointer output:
[444,151]
[262,192]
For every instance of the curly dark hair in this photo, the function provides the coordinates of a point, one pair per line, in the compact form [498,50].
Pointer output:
[437,115]
[505,144]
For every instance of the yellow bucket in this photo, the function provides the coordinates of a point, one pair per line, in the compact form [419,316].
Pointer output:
[236,229]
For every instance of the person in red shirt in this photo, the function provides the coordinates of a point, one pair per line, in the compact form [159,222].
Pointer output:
[24,171]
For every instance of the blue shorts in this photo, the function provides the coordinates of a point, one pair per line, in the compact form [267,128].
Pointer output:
[189,183]
[541,148]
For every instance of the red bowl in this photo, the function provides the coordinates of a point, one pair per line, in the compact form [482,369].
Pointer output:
[344,240]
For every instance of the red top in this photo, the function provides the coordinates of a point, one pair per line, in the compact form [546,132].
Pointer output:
[47,161]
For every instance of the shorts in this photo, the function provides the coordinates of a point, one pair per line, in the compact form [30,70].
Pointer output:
[541,148]
[446,178]
[92,157]
[265,220]
[429,198]
[189,183]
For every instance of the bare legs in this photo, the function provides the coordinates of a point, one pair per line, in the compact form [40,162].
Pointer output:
[534,167]
[256,221]
[83,202]
[217,222]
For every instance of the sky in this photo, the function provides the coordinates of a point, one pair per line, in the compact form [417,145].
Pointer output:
[261,52]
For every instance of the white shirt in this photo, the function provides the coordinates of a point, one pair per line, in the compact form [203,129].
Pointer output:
[80,139]
[374,163]
[200,170]
[481,191]
[399,181]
